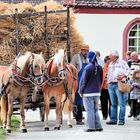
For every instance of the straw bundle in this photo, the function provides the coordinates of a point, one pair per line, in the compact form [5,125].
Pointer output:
[3,7]
[29,32]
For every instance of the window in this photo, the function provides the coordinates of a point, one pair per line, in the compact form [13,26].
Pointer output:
[134,38]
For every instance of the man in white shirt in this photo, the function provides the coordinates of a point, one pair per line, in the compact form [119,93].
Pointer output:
[117,70]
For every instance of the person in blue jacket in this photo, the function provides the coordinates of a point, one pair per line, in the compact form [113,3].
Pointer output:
[89,89]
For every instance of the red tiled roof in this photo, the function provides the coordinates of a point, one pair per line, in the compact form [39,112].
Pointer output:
[108,3]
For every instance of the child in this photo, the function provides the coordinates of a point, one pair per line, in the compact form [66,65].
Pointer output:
[135,93]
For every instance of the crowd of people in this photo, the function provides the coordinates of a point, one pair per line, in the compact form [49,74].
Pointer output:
[98,82]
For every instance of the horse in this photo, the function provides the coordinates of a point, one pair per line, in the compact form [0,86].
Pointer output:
[15,80]
[3,69]
[60,83]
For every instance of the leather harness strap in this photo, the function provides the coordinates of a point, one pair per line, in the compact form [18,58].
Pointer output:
[48,79]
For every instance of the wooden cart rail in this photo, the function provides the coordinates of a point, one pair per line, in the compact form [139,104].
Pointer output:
[47,36]
[30,1]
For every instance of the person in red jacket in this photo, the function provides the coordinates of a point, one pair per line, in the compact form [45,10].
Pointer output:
[105,99]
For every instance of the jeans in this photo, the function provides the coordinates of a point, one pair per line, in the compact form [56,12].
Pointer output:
[91,107]
[120,99]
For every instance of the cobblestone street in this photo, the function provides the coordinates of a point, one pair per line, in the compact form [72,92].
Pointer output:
[130,131]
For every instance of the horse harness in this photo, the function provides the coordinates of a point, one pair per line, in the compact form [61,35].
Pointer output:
[16,78]
[56,81]
[48,79]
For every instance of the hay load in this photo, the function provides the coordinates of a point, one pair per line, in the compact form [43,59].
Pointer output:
[27,33]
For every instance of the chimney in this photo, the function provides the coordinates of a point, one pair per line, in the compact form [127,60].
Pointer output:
[69,2]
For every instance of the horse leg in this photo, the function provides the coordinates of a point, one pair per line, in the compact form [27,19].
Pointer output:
[69,121]
[47,110]
[9,113]
[69,106]
[68,110]
[3,110]
[22,113]
[34,95]
[58,114]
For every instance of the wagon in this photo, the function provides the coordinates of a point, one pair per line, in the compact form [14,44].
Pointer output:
[39,102]
[30,104]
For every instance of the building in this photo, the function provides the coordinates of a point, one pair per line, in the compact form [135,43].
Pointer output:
[106,24]
[109,24]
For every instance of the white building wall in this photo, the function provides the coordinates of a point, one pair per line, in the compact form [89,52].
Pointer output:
[104,32]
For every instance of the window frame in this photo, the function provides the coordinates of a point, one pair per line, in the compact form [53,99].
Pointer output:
[126,33]
[137,37]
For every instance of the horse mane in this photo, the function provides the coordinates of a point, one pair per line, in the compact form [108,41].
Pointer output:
[27,53]
[58,57]
[38,59]
[22,60]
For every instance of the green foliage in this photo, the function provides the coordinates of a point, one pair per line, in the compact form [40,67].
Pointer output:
[2,134]
[14,125]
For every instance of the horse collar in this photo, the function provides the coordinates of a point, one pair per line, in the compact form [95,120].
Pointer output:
[52,81]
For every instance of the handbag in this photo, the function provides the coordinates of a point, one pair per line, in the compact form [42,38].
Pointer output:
[123,86]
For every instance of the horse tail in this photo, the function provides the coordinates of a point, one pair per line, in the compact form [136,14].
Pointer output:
[71,88]
[65,106]
[3,110]
[68,103]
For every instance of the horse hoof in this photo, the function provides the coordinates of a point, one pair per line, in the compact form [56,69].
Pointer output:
[70,125]
[8,130]
[57,128]
[24,130]
[46,129]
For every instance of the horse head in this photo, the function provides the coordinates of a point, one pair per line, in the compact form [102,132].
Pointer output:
[31,65]
[36,65]
[59,64]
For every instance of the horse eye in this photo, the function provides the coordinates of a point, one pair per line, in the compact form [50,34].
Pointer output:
[35,66]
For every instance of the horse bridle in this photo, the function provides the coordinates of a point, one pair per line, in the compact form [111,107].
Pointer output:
[60,72]
[48,79]
[34,78]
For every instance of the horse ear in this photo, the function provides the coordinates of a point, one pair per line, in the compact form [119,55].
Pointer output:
[55,50]
[41,53]
[33,56]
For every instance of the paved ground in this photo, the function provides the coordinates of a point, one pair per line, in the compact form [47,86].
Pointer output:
[130,131]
